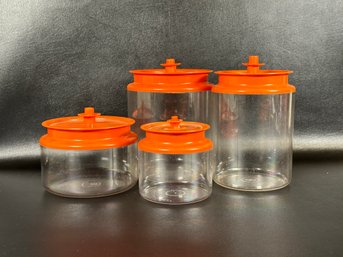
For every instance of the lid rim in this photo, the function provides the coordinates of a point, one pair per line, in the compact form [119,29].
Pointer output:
[151,127]
[49,124]
[251,93]
[177,152]
[204,145]
[260,73]
[45,141]
[178,72]
[170,88]
[257,90]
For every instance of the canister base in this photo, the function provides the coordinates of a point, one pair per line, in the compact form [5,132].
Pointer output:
[175,193]
[251,179]
[91,188]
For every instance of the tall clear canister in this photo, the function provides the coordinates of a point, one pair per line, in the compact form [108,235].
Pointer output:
[252,124]
[158,94]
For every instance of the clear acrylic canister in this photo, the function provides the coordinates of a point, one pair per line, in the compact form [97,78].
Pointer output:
[157,94]
[174,162]
[252,125]
[89,155]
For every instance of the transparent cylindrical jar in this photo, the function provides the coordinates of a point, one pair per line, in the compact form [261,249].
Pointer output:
[175,162]
[89,155]
[252,125]
[157,94]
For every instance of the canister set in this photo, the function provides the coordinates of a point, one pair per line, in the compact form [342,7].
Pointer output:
[181,133]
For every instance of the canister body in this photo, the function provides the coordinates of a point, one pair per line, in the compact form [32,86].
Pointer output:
[146,107]
[88,173]
[253,140]
[175,178]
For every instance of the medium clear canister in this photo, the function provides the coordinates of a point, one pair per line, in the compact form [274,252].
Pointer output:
[252,125]
[157,94]
[89,155]
[174,162]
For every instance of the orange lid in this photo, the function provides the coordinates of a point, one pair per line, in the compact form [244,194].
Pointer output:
[88,131]
[175,137]
[170,79]
[253,81]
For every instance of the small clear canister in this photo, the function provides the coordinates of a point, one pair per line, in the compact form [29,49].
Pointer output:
[89,155]
[252,125]
[174,162]
[157,94]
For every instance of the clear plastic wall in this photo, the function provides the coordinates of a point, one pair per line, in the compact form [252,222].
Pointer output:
[146,107]
[175,178]
[253,140]
[89,173]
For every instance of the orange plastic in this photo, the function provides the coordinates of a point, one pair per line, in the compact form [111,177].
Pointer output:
[253,81]
[170,79]
[175,137]
[88,131]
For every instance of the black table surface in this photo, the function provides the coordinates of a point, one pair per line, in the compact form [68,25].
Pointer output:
[304,219]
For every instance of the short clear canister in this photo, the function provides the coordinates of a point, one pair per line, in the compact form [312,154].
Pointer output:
[89,155]
[175,163]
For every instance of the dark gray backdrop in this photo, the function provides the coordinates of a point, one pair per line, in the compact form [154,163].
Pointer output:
[58,56]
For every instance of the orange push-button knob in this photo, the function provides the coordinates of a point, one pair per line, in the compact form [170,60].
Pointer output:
[89,115]
[253,66]
[170,65]
[174,121]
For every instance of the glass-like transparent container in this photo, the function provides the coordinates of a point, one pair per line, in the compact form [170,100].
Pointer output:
[252,125]
[175,178]
[89,155]
[175,162]
[88,173]
[157,94]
